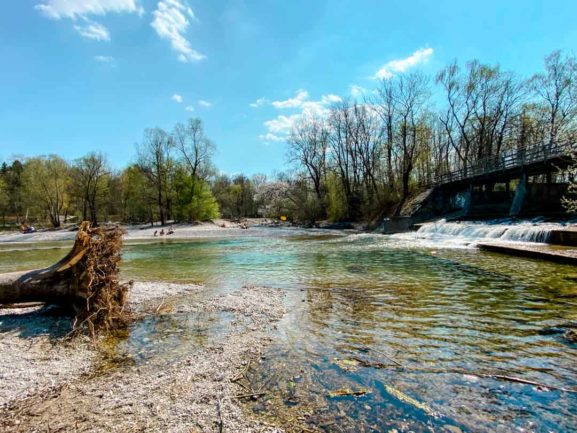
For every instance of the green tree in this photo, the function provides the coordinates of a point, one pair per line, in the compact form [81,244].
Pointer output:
[4,200]
[138,196]
[569,201]
[46,182]
[12,175]
[194,198]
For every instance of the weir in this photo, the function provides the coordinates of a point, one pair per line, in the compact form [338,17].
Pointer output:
[496,230]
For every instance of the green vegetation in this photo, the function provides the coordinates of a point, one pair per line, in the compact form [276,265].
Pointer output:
[570,200]
[355,161]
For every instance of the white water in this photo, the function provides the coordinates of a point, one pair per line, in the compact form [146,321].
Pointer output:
[466,233]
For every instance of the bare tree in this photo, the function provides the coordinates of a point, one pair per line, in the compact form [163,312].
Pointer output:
[345,158]
[557,91]
[385,105]
[89,175]
[308,147]
[195,148]
[482,108]
[412,94]
[155,161]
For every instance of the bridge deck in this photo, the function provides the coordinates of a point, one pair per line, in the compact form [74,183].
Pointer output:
[534,160]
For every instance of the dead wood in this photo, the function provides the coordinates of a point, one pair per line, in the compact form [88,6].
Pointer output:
[86,279]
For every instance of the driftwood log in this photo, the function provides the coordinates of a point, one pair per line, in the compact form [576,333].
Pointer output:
[86,280]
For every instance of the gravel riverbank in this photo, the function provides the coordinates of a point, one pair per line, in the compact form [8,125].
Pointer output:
[45,383]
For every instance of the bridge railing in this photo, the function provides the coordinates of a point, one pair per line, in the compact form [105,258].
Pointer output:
[506,160]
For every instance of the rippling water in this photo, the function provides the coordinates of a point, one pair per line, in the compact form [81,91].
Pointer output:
[417,327]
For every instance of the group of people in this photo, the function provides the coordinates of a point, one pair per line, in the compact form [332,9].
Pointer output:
[162,232]
[25,228]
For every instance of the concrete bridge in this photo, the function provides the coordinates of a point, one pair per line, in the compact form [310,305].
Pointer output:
[499,186]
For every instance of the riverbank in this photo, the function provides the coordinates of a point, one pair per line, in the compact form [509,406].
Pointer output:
[72,386]
[219,227]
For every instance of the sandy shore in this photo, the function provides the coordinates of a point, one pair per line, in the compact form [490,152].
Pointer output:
[45,383]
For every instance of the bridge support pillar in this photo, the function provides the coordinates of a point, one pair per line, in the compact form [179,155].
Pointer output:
[468,201]
[519,197]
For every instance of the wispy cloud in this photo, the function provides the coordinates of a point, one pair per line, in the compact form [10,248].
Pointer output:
[82,10]
[258,103]
[94,31]
[401,65]
[189,108]
[177,98]
[204,104]
[104,59]
[297,101]
[268,137]
[357,91]
[171,21]
[58,9]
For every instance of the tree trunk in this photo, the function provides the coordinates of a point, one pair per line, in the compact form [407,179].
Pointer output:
[52,285]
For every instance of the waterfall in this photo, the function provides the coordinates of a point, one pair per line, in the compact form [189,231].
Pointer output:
[502,230]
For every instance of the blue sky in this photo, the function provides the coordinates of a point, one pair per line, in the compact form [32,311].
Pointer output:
[77,76]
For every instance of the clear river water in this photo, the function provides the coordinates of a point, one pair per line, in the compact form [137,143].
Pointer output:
[425,332]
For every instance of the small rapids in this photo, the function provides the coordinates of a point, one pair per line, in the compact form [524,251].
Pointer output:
[501,230]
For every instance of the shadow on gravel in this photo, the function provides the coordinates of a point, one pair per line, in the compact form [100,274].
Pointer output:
[50,320]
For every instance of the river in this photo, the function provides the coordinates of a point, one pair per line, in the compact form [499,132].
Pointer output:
[415,327]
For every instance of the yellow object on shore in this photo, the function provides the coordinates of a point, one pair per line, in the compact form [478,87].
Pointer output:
[283,218]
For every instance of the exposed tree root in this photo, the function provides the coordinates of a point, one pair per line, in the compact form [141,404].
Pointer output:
[85,280]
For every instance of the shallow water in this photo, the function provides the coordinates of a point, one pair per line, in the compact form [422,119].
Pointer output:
[414,325]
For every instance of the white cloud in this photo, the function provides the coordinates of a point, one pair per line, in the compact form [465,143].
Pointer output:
[279,128]
[177,98]
[297,101]
[72,9]
[315,108]
[357,91]
[81,10]
[331,99]
[268,137]
[204,104]
[93,30]
[104,59]
[281,124]
[401,65]
[258,103]
[171,20]
[189,108]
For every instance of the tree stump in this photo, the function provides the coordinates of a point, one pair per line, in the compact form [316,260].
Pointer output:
[86,280]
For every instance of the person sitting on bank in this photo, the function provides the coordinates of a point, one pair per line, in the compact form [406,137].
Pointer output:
[162,232]
[170,230]
[25,228]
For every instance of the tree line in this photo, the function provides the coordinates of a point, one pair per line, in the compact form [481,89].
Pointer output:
[369,156]
[357,161]
[173,178]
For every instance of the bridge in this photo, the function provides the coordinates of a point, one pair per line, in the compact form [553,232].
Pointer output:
[485,188]
[532,160]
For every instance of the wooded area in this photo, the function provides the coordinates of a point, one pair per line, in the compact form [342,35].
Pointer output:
[357,161]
